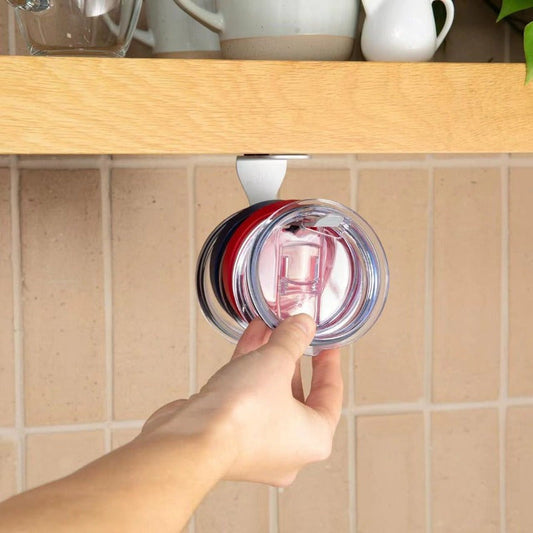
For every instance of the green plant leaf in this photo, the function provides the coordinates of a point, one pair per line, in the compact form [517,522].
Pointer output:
[512,6]
[528,49]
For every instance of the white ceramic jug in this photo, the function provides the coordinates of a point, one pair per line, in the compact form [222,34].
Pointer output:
[402,30]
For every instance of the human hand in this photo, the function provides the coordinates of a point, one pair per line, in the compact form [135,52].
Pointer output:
[266,431]
[250,422]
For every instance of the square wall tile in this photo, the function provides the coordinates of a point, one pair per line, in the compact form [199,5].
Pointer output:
[234,507]
[318,501]
[151,283]
[120,437]
[7,378]
[51,456]
[465,472]
[390,358]
[467,284]
[63,295]
[520,282]
[8,468]
[519,469]
[390,474]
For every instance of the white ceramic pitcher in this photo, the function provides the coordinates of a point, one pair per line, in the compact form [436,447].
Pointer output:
[402,30]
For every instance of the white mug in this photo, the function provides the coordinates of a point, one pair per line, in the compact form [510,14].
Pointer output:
[281,29]
[173,33]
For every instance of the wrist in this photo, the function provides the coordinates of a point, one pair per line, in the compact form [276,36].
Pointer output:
[197,429]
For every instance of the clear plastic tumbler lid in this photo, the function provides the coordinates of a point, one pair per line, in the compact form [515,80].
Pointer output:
[284,258]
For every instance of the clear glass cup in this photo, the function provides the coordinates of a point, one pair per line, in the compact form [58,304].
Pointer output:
[282,258]
[77,27]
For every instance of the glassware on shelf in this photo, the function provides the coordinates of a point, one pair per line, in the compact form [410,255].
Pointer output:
[77,27]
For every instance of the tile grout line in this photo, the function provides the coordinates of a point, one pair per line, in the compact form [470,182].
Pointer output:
[66,162]
[421,407]
[151,163]
[369,410]
[504,347]
[463,162]
[93,161]
[351,421]
[193,364]
[18,321]
[181,161]
[89,426]
[273,509]
[105,192]
[428,345]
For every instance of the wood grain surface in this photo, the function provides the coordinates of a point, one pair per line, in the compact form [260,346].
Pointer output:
[169,106]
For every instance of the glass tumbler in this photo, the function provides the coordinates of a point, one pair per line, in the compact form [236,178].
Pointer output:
[77,27]
[280,258]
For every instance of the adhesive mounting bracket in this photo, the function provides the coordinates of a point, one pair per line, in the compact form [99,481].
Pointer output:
[261,175]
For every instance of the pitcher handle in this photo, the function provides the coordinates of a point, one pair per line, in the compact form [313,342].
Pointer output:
[213,21]
[145,36]
[450,12]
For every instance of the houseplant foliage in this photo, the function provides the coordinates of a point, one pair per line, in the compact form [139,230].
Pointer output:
[512,6]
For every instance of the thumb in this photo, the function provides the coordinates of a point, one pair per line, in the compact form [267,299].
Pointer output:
[291,337]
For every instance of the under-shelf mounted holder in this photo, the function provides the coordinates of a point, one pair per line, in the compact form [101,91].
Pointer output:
[261,175]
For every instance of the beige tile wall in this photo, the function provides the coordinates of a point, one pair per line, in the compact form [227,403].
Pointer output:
[100,326]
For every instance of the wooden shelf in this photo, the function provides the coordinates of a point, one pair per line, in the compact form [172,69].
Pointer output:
[157,106]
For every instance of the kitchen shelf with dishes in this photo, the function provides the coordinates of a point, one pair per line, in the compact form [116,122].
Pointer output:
[59,105]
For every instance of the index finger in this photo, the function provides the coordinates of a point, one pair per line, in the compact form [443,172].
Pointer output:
[326,392]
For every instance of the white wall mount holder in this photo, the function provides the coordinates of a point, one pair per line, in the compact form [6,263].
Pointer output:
[261,175]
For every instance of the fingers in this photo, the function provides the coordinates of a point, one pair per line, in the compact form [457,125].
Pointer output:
[256,334]
[291,338]
[297,386]
[326,386]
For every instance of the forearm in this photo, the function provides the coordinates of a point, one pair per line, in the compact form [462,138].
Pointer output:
[148,485]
